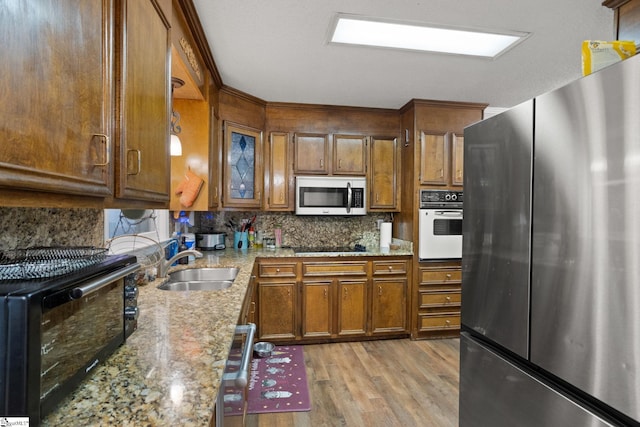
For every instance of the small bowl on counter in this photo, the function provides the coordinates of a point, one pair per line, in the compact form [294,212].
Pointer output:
[263,349]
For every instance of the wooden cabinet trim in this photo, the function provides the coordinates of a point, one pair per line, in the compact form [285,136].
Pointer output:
[342,268]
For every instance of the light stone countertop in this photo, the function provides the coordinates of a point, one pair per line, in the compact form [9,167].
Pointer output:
[169,370]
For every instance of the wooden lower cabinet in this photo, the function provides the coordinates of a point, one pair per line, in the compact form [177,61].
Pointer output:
[317,309]
[277,301]
[438,300]
[389,307]
[341,300]
[352,308]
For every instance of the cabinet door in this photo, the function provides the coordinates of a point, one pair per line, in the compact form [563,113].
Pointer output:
[276,310]
[352,307]
[389,307]
[278,175]
[243,166]
[383,175]
[349,155]
[317,303]
[215,160]
[143,164]
[311,154]
[56,96]
[457,160]
[434,158]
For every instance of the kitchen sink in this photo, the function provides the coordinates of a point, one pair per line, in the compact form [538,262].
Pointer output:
[200,279]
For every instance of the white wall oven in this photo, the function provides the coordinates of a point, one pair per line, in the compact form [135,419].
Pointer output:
[440,225]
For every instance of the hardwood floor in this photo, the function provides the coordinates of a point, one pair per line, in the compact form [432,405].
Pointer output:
[377,383]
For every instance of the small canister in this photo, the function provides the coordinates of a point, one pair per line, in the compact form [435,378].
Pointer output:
[259,237]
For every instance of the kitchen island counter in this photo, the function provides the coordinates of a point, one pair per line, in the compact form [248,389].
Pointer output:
[169,370]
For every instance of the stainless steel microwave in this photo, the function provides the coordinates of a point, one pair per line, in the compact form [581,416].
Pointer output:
[331,195]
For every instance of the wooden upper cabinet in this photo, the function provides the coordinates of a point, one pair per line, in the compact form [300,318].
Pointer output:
[278,176]
[311,154]
[215,160]
[627,18]
[384,194]
[457,160]
[56,96]
[142,161]
[243,168]
[441,158]
[434,158]
[349,155]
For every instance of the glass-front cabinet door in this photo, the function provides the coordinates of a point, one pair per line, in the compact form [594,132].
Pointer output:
[243,170]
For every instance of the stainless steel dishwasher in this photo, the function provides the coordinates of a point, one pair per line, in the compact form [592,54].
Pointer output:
[235,379]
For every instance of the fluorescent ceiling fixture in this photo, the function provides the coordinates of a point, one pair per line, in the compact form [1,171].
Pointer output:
[458,41]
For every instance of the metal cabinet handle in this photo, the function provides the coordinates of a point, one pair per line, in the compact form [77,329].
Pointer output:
[448,275]
[321,163]
[340,164]
[325,293]
[379,290]
[277,270]
[447,299]
[390,268]
[107,149]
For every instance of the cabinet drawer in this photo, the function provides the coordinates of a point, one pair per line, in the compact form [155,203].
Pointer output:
[439,322]
[439,299]
[277,270]
[440,276]
[343,268]
[389,267]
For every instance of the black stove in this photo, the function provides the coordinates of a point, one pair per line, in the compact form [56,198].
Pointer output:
[329,249]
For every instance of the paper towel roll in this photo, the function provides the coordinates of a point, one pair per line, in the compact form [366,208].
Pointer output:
[385,235]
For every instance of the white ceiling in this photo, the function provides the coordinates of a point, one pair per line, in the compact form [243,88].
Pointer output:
[278,50]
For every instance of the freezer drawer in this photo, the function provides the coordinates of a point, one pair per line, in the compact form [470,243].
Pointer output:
[494,392]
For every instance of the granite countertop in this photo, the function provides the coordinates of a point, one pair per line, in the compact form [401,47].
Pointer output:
[169,370]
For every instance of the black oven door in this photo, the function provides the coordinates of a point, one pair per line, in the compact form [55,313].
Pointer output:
[80,327]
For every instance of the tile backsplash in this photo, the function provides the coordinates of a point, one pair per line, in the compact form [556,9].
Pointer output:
[331,231]
[27,227]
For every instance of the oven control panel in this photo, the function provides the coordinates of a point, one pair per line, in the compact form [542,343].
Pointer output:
[440,199]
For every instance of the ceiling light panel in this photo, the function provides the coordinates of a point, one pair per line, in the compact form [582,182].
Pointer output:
[398,35]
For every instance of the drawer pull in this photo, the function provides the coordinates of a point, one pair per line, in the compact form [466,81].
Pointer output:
[277,270]
[447,299]
[447,322]
[448,275]
[390,268]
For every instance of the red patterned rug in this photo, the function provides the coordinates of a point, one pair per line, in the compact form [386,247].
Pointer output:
[277,384]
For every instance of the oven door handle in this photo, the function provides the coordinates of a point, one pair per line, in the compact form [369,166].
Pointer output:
[349,197]
[449,213]
[241,377]
[94,285]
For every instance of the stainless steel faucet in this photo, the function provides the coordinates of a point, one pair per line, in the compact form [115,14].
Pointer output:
[164,265]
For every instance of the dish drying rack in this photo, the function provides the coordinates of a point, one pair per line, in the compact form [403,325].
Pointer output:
[43,262]
[148,252]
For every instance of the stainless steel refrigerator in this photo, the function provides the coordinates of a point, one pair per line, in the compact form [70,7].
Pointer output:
[551,259]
